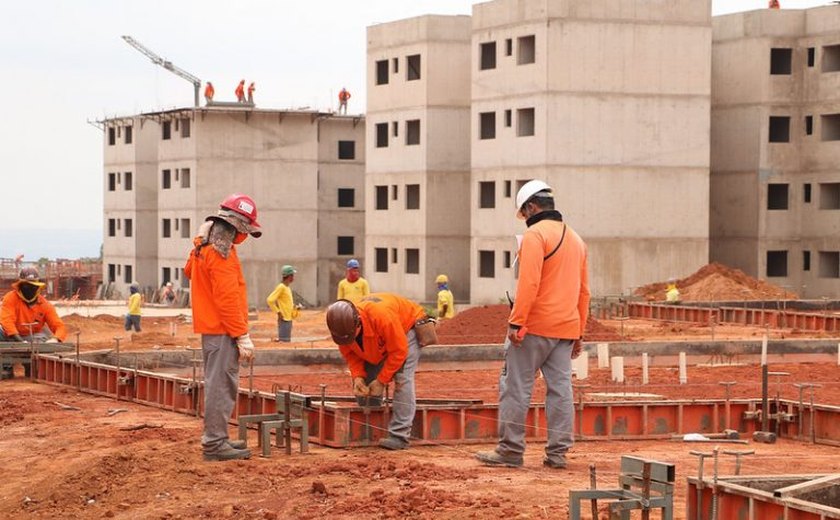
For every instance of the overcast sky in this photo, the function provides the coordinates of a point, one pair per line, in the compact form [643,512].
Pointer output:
[64,63]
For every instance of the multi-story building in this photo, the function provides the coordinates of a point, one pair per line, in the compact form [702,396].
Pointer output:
[166,171]
[417,172]
[609,103]
[775,182]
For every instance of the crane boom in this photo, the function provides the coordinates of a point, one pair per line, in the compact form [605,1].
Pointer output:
[168,65]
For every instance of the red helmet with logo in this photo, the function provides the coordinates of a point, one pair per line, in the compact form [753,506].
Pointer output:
[241,211]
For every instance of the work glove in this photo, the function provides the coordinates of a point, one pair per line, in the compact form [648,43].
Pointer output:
[52,340]
[577,348]
[360,389]
[376,388]
[516,335]
[245,347]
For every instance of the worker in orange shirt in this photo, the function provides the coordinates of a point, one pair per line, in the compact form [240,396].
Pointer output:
[251,88]
[377,338]
[209,92]
[220,315]
[343,98]
[24,305]
[544,329]
[773,4]
[240,92]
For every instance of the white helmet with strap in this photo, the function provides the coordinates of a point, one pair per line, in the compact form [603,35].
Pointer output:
[528,190]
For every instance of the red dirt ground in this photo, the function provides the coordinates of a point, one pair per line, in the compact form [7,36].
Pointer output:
[717,282]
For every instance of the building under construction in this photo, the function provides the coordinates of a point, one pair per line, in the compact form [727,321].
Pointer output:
[64,279]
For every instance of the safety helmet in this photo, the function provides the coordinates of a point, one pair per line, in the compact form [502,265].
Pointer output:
[240,211]
[169,284]
[287,270]
[353,264]
[528,190]
[342,320]
[30,275]
[442,278]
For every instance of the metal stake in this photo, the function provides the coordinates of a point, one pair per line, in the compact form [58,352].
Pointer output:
[593,484]
[118,367]
[78,364]
[738,455]
[727,385]
[700,483]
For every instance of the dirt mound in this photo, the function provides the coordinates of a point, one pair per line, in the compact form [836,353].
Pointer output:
[717,282]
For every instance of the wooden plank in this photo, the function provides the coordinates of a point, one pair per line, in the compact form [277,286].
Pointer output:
[805,487]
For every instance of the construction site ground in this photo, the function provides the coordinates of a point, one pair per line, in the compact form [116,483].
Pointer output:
[87,464]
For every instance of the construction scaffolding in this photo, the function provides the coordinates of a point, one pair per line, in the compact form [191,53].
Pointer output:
[64,279]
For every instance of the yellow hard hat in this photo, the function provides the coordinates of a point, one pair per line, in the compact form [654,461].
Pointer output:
[442,278]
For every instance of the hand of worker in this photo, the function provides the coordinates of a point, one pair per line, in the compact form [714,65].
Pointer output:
[577,348]
[52,340]
[246,348]
[515,336]
[359,387]
[376,388]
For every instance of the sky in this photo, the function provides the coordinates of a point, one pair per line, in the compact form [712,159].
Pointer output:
[64,64]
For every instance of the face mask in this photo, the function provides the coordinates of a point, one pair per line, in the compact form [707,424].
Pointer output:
[352,275]
[29,292]
[239,238]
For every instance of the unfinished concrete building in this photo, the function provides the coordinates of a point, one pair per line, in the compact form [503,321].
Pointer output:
[775,185]
[417,179]
[591,96]
[166,171]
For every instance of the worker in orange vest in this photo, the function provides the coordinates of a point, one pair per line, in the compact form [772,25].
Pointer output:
[251,89]
[209,92]
[773,4]
[240,92]
[343,97]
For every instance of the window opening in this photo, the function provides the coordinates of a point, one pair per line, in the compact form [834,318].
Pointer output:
[488,55]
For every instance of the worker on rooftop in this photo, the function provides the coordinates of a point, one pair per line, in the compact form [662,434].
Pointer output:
[773,4]
[343,98]
[240,92]
[251,88]
[25,315]
[544,329]
[352,287]
[209,92]
[380,338]
[282,302]
[220,315]
[445,300]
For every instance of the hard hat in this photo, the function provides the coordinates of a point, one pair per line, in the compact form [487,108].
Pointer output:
[240,211]
[352,264]
[135,285]
[169,284]
[287,270]
[528,190]
[342,320]
[442,278]
[30,275]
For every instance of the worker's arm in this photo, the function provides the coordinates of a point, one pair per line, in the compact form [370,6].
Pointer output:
[54,322]
[530,273]
[273,297]
[285,304]
[387,326]
[7,315]
[365,288]
[340,294]
[227,295]
[584,296]
[354,362]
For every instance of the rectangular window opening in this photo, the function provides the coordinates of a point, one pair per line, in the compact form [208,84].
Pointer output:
[506,260]
[129,274]
[811,56]
[381,135]
[346,246]
[112,227]
[487,60]
[346,197]
[129,227]
[831,58]
[781,61]
[167,228]
[806,193]
[779,129]
[806,260]
[487,121]
[394,192]
[487,264]
[112,182]
[346,150]
[507,189]
[185,128]
[395,127]
[185,177]
[777,196]
[112,136]
[185,228]
[396,63]
[412,132]
[394,256]
[525,122]
[382,72]
[167,130]
[777,264]
[830,195]
[412,196]
[381,263]
[129,181]
[829,264]
[112,273]
[166,275]
[809,125]
[412,261]
[526,51]
[413,67]
[830,124]
[487,194]
[508,118]
[509,47]
[166,179]
[381,197]
[129,135]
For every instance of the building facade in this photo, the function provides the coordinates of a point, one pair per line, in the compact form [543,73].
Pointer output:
[775,182]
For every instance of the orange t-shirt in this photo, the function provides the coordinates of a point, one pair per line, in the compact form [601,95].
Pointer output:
[218,294]
[14,313]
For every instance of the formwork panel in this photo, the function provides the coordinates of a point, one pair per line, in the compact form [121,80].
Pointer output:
[444,425]
[662,419]
[698,418]
[481,423]
[626,420]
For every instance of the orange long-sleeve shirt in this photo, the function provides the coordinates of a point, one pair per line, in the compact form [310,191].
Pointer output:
[386,319]
[14,313]
[552,296]
[219,297]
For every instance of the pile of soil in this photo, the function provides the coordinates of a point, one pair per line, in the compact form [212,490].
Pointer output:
[717,282]
[488,325]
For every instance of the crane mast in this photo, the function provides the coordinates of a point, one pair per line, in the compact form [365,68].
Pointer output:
[168,65]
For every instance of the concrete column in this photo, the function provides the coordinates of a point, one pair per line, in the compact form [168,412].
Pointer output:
[683,369]
[603,355]
[617,364]
[580,366]
[645,366]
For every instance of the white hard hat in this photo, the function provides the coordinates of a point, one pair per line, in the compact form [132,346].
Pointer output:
[528,190]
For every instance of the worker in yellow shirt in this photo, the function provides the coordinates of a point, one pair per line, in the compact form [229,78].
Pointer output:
[352,287]
[672,294]
[282,302]
[445,300]
[132,319]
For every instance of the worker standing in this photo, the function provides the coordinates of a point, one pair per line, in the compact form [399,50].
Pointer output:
[378,340]
[132,317]
[251,88]
[209,92]
[167,295]
[282,302]
[445,300]
[343,98]
[544,329]
[25,315]
[240,92]
[352,287]
[773,4]
[220,315]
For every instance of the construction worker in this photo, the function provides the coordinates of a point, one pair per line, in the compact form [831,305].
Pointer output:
[251,88]
[544,329]
[167,295]
[352,287]
[240,92]
[25,315]
[220,315]
[343,98]
[282,302]
[445,300]
[672,294]
[209,92]
[773,4]
[132,317]
[377,339]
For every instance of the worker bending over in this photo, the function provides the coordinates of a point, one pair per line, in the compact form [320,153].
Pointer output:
[445,300]
[352,287]
[282,302]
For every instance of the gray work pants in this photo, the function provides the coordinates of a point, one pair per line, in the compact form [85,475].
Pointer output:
[284,330]
[553,357]
[221,384]
[405,401]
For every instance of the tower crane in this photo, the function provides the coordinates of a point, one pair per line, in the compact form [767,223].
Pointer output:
[157,60]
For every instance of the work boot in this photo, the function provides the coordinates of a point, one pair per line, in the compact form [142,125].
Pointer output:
[555,462]
[237,445]
[227,453]
[494,458]
[393,443]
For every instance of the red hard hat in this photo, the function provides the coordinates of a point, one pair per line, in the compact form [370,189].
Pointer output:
[243,208]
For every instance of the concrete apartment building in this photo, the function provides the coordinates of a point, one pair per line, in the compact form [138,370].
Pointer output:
[418,161]
[609,103]
[775,182]
[166,171]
